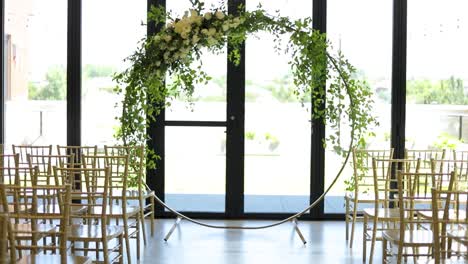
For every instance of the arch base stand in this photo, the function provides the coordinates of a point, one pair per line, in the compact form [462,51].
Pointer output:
[179,219]
[176,224]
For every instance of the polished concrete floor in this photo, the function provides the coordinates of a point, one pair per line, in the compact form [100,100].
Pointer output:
[196,244]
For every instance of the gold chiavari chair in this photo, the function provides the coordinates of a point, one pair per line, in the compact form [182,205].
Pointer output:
[42,167]
[363,181]
[23,164]
[413,233]
[450,224]
[461,168]
[136,172]
[118,207]
[460,154]
[35,229]
[24,150]
[9,169]
[425,156]
[94,193]
[383,215]
[463,156]
[78,152]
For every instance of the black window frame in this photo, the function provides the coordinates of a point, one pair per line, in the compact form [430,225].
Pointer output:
[235,106]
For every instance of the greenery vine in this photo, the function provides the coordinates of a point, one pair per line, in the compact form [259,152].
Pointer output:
[168,65]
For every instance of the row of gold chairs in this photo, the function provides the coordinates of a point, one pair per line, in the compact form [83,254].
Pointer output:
[98,190]
[375,185]
[46,158]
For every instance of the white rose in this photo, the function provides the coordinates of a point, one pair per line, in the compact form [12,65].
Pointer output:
[193,12]
[184,35]
[156,38]
[204,31]
[225,27]
[219,15]
[208,15]
[195,39]
[211,31]
[167,38]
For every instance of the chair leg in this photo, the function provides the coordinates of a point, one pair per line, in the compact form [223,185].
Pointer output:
[374,238]
[346,217]
[138,240]
[364,239]
[152,215]
[121,249]
[97,250]
[353,224]
[85,246]
[105,251]
[142,221]
[384,251]
[127,240]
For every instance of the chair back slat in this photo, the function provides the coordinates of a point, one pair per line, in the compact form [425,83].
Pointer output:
[29,212]
[459,166]
[363,176]
[385,179]
[9,171]
[136,163]
[44,165]
[425,155]
[450,222]
[118,174]
[78,152]
[93,191]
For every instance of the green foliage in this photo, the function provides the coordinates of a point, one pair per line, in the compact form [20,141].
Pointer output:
[55,87]
[176,48]
[249,135]
[282,89]
[449,91]
[446,141]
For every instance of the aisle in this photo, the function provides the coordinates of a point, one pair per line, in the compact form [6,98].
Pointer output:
[195,244]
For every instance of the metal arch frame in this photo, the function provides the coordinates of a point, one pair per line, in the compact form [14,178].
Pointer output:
[319,10]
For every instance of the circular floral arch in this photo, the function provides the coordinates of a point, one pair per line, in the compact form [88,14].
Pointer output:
[168,65]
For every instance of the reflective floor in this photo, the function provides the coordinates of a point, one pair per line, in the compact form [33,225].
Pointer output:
[195,244]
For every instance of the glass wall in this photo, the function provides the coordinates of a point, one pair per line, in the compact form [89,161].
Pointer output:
[111,30]
[277,127]
[362,30]
[437,80]
[35,45]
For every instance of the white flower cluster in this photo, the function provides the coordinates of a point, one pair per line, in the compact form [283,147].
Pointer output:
[181,35]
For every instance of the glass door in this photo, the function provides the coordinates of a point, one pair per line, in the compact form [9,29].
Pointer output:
[195,138]
[277,128]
